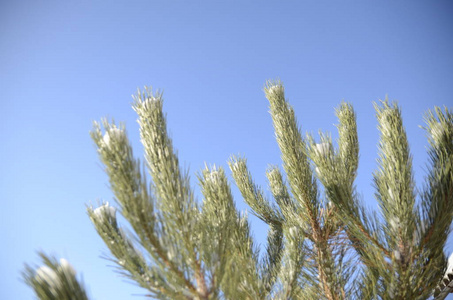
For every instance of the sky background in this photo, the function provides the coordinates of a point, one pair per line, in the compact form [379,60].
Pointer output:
[64,64]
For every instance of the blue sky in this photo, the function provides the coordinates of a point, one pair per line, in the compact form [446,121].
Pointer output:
[64,64]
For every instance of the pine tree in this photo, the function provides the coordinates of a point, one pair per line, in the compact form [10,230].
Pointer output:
[322,243]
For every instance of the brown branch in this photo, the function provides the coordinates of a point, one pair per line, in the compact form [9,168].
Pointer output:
[320,238]
[159,251]
[201,282]
[376,242]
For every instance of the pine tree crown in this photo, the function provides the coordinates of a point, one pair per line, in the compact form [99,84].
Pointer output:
[322,243]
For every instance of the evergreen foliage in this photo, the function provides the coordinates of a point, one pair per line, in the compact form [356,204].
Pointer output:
[322,243]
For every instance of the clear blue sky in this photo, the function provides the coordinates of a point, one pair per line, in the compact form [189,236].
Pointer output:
[64,64]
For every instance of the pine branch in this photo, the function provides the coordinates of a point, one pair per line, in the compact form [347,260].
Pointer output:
[292,263]
[289,208]
[394,182]
[252,194]
[129,187]
[293,149]
[225,243]
[301,180]
[55,280]
[171,185]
